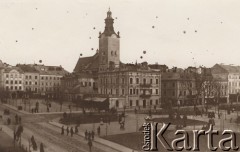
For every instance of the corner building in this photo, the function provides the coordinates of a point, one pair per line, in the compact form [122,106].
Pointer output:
[124,85]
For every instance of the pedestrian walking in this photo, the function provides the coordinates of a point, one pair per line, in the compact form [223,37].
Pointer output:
[37,107]
[89,135]
[14,137]
[19,119]
[93,135]
[86,134]
[90,145]
[67,131]
[8,121]
[16,119]
[34,144]
[76,129]
[41,147]
[62,132]
[98,130]
[71,131]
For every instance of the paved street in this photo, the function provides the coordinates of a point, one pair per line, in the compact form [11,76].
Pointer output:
[28,105]
[49,133]
[50,136]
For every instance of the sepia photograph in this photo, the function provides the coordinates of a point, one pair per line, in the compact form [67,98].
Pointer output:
[119,75]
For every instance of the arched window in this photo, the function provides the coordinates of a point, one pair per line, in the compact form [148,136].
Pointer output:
[131,80]
[144,81]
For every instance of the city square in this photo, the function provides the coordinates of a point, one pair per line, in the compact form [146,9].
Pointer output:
[101,100]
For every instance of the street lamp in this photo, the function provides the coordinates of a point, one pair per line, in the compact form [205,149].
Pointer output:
[106,128]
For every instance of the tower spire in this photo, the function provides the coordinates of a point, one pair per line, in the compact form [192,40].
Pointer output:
[109,29]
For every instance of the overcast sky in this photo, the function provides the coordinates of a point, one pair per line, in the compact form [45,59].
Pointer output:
[173,32]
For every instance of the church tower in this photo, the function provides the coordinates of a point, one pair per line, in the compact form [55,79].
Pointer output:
[109,46]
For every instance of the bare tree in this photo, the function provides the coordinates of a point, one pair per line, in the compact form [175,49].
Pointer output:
[4,94]
[217,90]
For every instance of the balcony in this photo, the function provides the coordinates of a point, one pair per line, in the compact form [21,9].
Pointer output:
[145,85]
[145,95]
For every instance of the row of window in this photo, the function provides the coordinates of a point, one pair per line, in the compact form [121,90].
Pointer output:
[13,82]
[137,103]
[31,89]
[49,78]
[112,53]
[50,84]
[144,81]
[132,91]
[135,91]
[144,103]
[234,77]
[30,77]
[233,91]
[14,88]
[131,81]
[19,88]
[31,83]
[13,75]
[234,84]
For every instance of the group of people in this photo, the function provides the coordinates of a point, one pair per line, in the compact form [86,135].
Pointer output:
[71,131]
[89,135]
[34,145]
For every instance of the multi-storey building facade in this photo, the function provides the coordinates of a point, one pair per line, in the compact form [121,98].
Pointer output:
[124,85]
[229,77]
[131,88]
[178,88]
[77,85]
[34,79]
[30,79]
[12,79]
[50,79]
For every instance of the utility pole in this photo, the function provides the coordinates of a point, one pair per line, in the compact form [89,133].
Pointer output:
[106,128]
[136,121]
